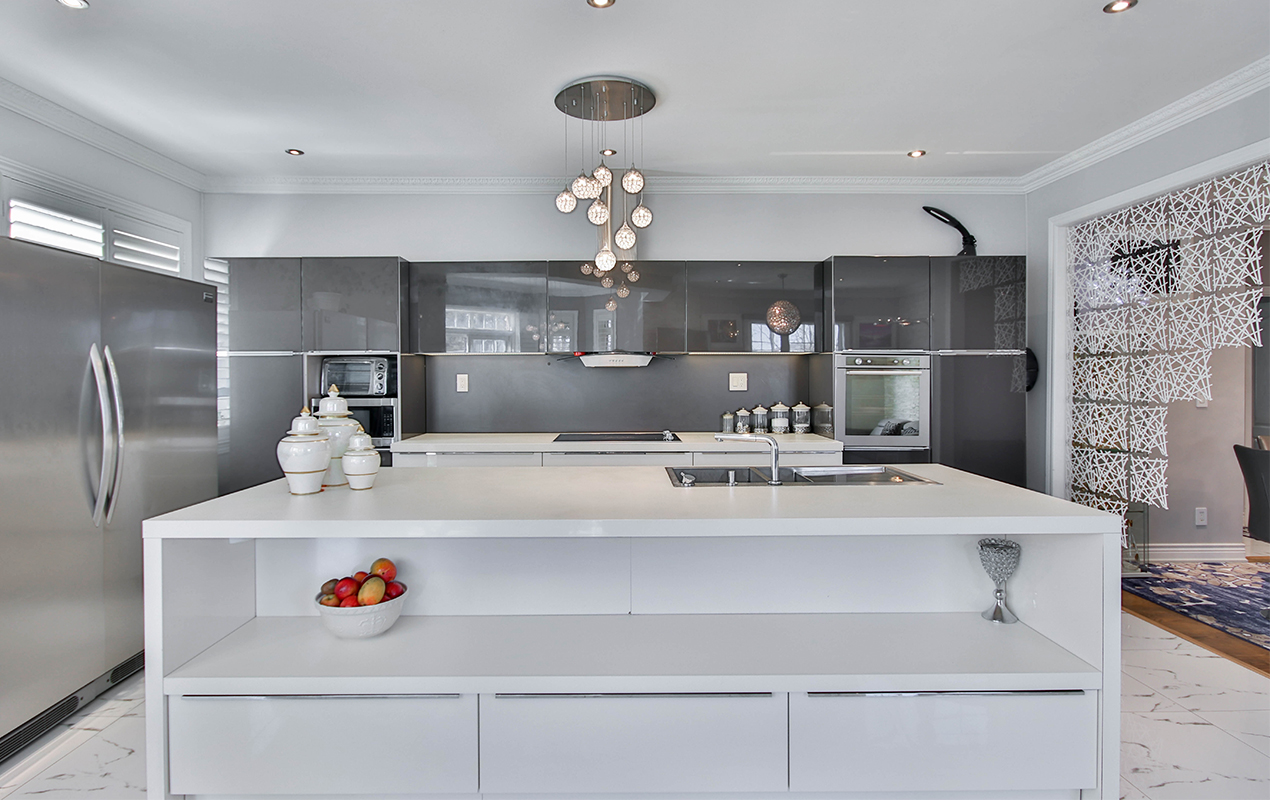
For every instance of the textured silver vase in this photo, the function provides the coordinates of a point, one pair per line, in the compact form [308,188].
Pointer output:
[1000,557]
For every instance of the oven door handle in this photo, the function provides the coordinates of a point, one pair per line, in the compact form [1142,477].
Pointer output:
[851,371]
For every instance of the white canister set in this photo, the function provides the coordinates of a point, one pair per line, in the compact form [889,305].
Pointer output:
[328,450]
[780,418]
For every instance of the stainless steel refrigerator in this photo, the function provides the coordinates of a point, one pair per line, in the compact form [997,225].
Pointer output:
[107,417]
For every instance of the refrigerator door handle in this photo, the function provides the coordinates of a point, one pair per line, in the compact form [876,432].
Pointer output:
[116,392]
[107,434]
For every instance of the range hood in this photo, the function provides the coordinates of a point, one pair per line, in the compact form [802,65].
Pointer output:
[615,358]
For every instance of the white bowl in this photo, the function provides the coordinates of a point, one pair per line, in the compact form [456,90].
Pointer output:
[360,622]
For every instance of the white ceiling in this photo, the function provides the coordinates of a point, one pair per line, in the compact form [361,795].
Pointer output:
[766,88]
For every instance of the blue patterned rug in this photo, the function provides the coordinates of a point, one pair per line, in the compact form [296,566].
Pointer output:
[1228,597]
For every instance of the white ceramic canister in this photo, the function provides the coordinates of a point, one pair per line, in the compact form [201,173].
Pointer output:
[335,418]
[361,461]
[780,418]
[304,453]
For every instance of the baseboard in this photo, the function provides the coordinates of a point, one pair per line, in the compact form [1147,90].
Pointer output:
[1197,551]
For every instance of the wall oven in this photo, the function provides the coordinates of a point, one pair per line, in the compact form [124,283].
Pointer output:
[882,401]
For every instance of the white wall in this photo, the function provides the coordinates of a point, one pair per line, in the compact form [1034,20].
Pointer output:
[428,227]
[1238,125]
[35,146]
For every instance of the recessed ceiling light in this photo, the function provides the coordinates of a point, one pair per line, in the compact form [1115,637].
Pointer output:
[78,5]
[916,153]
[608,151]
[293,152]
[600,3]
[1116,6]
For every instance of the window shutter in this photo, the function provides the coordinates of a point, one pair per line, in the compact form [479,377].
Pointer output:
[216,272]
[141,244]
[39,223]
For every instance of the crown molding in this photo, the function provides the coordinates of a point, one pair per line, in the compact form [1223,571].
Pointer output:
[1234,87]
[61,119]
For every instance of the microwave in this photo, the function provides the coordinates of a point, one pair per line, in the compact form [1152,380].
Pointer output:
[361,376]
[378,416]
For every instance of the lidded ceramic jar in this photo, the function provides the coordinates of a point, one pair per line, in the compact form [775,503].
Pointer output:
[304,454]
[802,418]
[743,421]
[758,422]
[335,418]
[361,461]
[780,418]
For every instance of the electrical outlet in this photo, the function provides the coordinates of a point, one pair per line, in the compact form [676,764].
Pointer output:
[460,382]
[1201,516]
[738,381]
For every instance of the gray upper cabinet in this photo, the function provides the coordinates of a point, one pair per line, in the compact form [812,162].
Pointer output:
[354,304]
[729,302]
[478,307]
[879,302]
[650,318]
[978,303]
[264,304]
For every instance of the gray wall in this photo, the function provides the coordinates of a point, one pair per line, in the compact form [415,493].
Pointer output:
[536,394]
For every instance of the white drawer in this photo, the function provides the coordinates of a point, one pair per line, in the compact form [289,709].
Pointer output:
[318,744]
[633,743]
[943,741]
[763,459]
[467,460]
[609,459]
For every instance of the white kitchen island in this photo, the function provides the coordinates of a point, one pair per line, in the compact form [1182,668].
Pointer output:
[598,632]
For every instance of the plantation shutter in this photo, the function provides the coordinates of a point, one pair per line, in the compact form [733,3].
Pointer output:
[61,223]
[142,244]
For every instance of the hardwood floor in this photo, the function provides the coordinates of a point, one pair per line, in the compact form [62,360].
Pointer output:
[1238,650]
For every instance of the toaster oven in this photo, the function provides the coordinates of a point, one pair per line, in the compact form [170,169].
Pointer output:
[361,376]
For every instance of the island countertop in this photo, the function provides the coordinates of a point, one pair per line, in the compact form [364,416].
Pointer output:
[571,502]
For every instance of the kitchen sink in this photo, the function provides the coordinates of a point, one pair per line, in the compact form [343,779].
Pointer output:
[845,475]
[664,436]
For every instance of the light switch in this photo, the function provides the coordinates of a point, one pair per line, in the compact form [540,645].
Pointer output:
[1201,516]
[460,382]
[738,381]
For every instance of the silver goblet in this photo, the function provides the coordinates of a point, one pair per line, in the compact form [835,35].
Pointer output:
[1000,557]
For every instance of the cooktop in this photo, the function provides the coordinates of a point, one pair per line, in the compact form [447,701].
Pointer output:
[616,437]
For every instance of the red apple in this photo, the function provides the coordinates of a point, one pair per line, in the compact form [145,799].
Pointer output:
[360,576]
[349,602]
[395,590]
[372,591]
[329,599]
[347,588]
[329,586]
[384,569]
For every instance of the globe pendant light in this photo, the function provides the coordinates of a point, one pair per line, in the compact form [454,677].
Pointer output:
[598,213]
[587,269]
[624,238]
[783,318]
[633,276]
[641,217]
[623,291]
[566,201]
[633,181]
[611,304]
[607,281]
[603,174]
[605,260]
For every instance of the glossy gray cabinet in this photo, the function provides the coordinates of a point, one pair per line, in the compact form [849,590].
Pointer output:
[978,303]
[478,307]
[265,393]
[650,319]
[728,304]
[878,303]
[264,304]
[353,304]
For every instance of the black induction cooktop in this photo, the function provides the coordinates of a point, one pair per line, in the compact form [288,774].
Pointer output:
[616,437]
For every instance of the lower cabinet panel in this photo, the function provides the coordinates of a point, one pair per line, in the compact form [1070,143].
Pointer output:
[943,741]
[581,459]
[313,745]
[763,459]
[633,743]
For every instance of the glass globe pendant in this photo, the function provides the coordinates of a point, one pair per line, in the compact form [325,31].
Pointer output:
[641,217]
[607,281]
[611,304]
[623,290]
[585,187]
[626,267]
[598,213]
[783,318]
[633,276]
[587,269]
[566,201]
[632,181]
[603,175]
[624,238]
[605,260]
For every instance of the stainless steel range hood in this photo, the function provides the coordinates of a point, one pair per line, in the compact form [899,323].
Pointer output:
[615,358]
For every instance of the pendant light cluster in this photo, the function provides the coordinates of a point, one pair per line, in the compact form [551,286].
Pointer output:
[599,101]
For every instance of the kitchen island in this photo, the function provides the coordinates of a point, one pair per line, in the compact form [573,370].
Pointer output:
[599,631]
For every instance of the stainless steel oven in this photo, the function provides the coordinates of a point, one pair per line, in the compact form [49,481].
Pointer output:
[882,401]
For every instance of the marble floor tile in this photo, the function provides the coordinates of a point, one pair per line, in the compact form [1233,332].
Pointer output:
[111,765]
[1198,679]
[1138,634]
[1137,696]
[1251,726]
[1179,756]
[1130,792]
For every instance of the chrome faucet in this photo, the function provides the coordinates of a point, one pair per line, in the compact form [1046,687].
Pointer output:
[771,442]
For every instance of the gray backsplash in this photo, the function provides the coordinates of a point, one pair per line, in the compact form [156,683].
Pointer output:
[537,394]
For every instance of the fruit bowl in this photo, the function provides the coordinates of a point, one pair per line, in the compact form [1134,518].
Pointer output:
[360,622]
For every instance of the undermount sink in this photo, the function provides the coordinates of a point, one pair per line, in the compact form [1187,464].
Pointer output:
[845,475]
[664,436]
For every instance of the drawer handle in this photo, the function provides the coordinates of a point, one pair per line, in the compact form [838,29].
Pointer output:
[317,696]
[1002,693]
[529,695]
